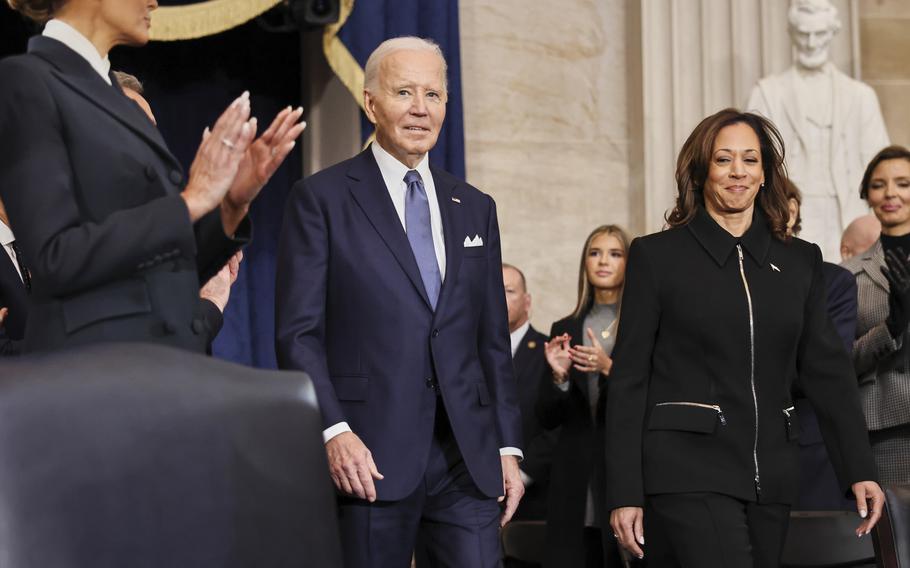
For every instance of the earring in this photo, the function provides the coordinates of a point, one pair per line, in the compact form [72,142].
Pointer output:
[761,186]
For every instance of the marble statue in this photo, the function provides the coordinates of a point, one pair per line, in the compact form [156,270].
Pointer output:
[831,125]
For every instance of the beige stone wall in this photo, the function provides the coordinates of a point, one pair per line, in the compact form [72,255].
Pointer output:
[546,131]
[885,50]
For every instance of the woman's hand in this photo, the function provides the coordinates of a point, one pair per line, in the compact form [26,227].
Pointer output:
[215,166]
[868,491]
[261,160]
[557,353]
[591,359]
[628,528]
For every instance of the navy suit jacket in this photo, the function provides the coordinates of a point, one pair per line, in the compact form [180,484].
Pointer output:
[351,311]
[93,197]
[14,297]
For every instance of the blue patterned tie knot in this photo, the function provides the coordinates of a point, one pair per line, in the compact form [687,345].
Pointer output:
[420,234]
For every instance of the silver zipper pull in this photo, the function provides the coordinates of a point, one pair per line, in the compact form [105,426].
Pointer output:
[720,414]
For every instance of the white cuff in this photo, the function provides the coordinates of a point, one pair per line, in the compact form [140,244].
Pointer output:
[333,431]
[510,451]
[525,478]
[563,386]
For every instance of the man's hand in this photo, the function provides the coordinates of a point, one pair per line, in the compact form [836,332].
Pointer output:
[627,523]
[351,466]
[868,491]
[3,312]
[512,487]
[218,289]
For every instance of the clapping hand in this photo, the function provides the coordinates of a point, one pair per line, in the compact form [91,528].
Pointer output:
[263,157]
[897,271]
[591,359]
[3,312]
[557,354]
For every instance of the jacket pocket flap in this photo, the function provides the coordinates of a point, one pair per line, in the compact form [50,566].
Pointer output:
[351,388]
[683,417]
[124,298]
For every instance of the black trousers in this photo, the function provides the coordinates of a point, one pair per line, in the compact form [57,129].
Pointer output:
[709,530]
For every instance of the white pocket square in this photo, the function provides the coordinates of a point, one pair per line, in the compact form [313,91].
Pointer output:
[475,242]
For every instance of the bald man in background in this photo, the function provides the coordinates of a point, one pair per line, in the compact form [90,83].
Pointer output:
[859,235]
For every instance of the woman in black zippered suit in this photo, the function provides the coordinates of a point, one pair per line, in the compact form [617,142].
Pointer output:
[722,312]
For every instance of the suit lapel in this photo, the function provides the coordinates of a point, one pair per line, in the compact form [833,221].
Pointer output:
[873,260]
[522,354]
[78,75]
[452,228]
[369,191]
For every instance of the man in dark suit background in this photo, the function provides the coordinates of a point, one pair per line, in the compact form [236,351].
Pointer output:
[14,285]
[389,294]
[530,366]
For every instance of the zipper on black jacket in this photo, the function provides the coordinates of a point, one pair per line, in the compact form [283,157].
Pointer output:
[742,273]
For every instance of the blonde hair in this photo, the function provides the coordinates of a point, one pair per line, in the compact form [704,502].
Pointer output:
[403,43]
[585,289]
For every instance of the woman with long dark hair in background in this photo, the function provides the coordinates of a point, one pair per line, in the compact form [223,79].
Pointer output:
[881,351]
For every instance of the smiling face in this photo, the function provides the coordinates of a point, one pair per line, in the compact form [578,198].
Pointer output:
[888,195]
[735,174]
[409,104]
[605,262]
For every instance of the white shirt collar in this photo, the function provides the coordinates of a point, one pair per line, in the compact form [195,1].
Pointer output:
[6,235]
[519,334]
[71,38]
[393,171]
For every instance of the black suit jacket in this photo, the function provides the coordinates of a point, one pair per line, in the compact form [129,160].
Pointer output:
[686,339]
[14,297]
[92,194]
[578,456]
[530,365]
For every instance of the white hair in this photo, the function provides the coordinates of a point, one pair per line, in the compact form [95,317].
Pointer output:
[404,43]
[800,7]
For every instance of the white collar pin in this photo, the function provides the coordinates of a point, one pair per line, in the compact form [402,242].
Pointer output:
[456,200]
[774,268]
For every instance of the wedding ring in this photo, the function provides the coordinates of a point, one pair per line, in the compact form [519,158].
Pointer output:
[590,357]
[227,143]
[274,151]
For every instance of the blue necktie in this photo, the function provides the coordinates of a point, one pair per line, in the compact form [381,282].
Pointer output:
[420,234]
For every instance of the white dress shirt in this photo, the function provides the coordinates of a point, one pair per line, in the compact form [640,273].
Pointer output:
[6,239]
[71,38]
[517,335]
[393,172]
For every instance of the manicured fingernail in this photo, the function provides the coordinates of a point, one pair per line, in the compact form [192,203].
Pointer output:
[299,110]
[863,513]
[245,95]
[206,132]
[641,556]
[641,540]
[245,129]
[303,123]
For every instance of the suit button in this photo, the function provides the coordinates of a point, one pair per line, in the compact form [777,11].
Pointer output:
[150,173]
[169,328]
[175,177]
[435,332]
[430,383]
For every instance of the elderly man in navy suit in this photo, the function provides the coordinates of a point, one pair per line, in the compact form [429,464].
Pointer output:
[390,295]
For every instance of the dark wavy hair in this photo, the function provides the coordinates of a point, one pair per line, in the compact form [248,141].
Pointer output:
[893,152]
[39,11]
[695,159]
